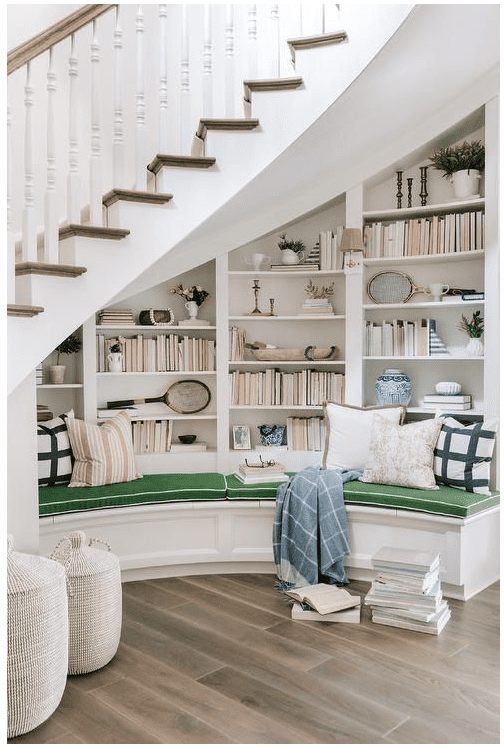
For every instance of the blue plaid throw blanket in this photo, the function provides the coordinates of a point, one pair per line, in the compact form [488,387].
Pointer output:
[310,532]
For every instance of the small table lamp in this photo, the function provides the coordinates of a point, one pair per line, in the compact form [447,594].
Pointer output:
[351,241]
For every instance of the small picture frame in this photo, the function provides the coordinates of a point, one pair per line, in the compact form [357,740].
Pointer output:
[241,437]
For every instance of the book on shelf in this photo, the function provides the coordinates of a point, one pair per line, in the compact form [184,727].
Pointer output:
[300,267]
[324,598]
[473,296]
[111,316]
[349,615]
[447,405]
[160,353]
[194,447]
[436,398]
[44,413]
[151,436]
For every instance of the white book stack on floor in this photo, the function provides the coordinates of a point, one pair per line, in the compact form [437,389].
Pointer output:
[406,591]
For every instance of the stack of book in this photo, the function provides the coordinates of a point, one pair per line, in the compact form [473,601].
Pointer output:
[115,317]
[406,591]
[300,267]
[447,402]
[261,474]
[43,413]
[317,306]
[39,375]
[324,602]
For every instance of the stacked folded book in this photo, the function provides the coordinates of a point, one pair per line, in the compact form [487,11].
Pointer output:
[406,591]
[324,602]
[447,402]
[261,472]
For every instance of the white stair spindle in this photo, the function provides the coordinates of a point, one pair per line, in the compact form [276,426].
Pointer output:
[252,42]
[141,159]
[73,195]
[185,92]
[29,235]
[207,64]
[51,245]
[118,147]
[229,63]
[11,244]
[163,79]
[275,42]
[95,174]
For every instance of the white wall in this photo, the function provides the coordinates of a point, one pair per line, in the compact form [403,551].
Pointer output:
[25,21]
[22,478]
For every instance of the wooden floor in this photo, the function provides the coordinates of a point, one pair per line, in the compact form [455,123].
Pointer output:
[216,659]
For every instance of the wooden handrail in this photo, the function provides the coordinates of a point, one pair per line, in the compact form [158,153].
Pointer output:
[26,51]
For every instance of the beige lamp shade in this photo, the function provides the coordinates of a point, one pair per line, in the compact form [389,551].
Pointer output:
[351,241]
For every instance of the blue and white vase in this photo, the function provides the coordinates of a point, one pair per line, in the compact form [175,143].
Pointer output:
[393,387]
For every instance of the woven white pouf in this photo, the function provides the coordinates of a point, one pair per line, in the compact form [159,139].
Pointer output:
[37,639]
[94,601]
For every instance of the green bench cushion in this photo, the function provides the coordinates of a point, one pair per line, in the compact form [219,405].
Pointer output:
[238,490]
[448,501]
[151,489]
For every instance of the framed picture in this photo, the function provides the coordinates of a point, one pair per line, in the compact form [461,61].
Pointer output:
[241,437]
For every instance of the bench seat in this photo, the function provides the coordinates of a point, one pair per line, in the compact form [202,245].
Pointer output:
[202,523]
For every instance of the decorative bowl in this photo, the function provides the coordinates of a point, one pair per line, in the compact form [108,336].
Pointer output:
[448,388]
[187,438]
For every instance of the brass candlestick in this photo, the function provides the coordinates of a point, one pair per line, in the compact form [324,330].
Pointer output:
[256,288]
[410,184]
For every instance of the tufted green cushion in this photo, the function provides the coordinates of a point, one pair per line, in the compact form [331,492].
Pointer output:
[447,501]
[151,489]
[238,490]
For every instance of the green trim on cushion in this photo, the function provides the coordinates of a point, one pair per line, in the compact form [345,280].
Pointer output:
[447,501]
[238,490]
[151,489]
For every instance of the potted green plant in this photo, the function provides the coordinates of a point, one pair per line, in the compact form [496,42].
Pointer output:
[70,345]
[474,328]
[292,250]
[462,164]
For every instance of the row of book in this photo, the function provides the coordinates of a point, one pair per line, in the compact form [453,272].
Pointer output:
[306,434]
[329,243]
[116,317]
[406,591]
[274,387]
[152,436]
[171,352]
[402,338]
[429,235]
[237,340]
[270,472]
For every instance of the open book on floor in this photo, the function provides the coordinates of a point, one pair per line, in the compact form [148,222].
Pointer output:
[324,598]
[349,615]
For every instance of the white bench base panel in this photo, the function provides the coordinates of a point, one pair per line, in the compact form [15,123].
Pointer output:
[181,539]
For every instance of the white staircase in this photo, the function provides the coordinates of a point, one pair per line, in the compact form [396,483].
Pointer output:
[156,188]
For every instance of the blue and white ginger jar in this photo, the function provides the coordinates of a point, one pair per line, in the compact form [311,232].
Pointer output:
[393,387]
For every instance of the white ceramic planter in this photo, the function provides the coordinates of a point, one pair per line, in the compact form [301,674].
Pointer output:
[466,183]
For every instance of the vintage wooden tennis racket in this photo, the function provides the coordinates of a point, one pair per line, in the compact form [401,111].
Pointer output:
[392,287]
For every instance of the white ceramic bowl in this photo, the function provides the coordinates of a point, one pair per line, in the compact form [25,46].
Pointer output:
[448,388]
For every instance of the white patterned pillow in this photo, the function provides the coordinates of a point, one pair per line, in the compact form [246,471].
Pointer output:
[463,455]
[103,454]
[403,455]
[348,433]
[54,451]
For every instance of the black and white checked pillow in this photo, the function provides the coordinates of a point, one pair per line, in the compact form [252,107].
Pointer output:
[463,455]
[55,458]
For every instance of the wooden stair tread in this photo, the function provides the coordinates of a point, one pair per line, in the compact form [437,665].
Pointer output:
[305,42]
[47,268]
[23,310]
[270,84]
[136,196]
[93,232]
[225,125]
[191,162]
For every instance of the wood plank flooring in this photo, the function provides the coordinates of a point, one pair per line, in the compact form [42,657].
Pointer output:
[217,659]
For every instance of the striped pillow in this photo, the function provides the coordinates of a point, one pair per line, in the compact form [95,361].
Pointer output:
[103,454]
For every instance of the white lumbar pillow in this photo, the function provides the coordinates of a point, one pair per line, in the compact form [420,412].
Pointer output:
[348,433]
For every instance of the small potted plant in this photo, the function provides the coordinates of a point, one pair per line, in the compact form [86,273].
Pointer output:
[70,345]
[292,250]
[115,356]
[474,328]
[194,296]
[462,164]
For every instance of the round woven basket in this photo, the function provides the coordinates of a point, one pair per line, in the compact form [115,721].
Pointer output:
[94,602]
[37,639]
